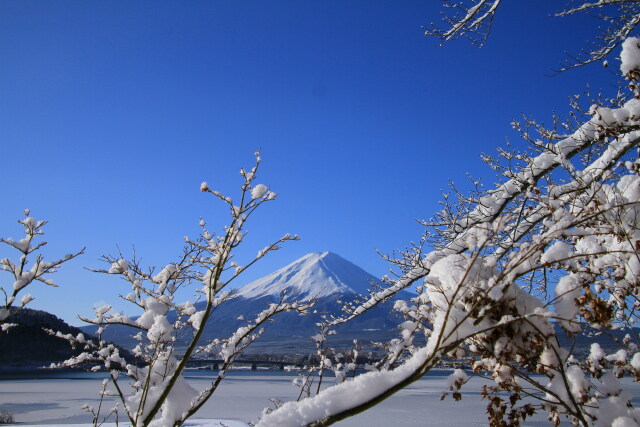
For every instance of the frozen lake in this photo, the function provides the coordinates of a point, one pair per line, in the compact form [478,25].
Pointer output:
[57,397]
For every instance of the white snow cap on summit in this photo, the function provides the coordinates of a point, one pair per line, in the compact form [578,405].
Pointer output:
[316,274]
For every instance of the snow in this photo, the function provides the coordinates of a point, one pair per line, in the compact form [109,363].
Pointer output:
[630,55]
[25,279]
[458,378]
[242,398]
[196,319]
[160,331]
[596,356]
[178,401]
[343,396]
[153,309]
[558,251]
[119,266]
[167,273]
[635,361]
[624,422]
[258,191]
[26,299]
[567,290]
[315,274]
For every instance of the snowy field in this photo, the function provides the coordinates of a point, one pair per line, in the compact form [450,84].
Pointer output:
[243,396]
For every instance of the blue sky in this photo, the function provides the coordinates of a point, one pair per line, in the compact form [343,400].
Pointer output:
[112,114]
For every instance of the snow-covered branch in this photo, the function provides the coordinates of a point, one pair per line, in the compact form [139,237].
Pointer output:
[22,274]
[473,19]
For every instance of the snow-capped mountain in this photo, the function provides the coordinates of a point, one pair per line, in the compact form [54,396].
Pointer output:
[314,275]
[324,277]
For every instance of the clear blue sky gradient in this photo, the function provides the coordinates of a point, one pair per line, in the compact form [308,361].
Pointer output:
[112,113]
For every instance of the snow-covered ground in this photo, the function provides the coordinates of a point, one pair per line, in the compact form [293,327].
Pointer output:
[243,397]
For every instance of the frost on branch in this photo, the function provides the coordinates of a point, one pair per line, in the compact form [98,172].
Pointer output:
[30,267]
[157,394]
[510,276]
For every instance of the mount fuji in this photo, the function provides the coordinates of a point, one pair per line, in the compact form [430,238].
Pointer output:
[317,275]
[326,278]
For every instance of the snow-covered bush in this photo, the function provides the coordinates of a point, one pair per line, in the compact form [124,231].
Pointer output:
[22,272]
[6,417]
[506,275]
[151,388]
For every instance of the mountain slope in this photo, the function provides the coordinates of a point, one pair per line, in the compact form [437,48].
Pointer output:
[313,275]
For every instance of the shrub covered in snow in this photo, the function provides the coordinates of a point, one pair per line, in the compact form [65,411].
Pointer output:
[26,270]
[6,417]
[151,388]
[553,249]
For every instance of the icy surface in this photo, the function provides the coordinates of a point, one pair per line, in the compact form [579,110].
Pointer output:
[316,274]
[242,398]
